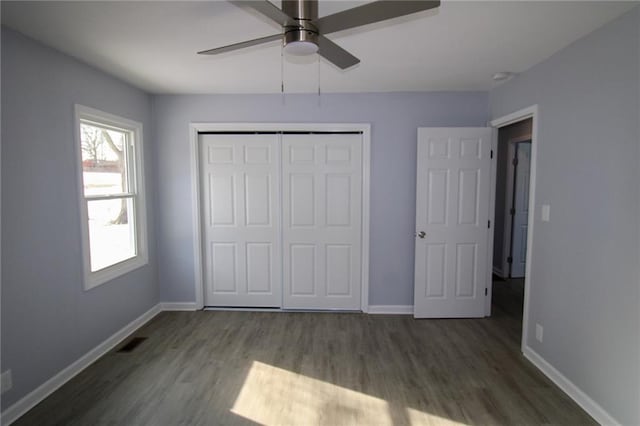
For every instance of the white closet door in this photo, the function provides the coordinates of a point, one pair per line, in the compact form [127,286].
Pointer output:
[241,216]
[322,216]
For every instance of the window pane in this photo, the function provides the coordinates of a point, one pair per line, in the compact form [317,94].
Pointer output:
[103,160]
[111,232]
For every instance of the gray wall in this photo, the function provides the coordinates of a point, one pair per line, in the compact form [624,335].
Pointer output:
[48,320]
[585,277]
[394,118]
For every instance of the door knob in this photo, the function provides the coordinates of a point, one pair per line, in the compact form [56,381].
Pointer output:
[422,234]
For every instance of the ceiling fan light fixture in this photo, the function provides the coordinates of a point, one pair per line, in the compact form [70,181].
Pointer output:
[300,42]
[301,48]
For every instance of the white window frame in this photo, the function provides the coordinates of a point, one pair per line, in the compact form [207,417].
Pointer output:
[134,128]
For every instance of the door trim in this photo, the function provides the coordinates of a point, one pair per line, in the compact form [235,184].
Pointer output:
[197,127]
[523,114]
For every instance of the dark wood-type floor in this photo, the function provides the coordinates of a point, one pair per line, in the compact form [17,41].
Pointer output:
[246,368]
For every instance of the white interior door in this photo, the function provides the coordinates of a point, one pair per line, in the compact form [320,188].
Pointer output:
[521,210]
[240,185]
[452,214]
[322,220]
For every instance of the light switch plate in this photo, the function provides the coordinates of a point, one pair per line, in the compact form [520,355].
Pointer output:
[539,333]
[545,212]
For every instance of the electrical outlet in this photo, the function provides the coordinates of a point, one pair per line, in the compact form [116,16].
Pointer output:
[6,382]
[539,331]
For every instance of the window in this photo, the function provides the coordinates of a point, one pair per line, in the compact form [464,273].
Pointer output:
[111,195]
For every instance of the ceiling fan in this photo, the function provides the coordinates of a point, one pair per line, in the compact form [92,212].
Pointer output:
[303,32]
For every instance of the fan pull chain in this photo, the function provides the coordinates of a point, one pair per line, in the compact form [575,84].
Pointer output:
[282,73]
[318,80]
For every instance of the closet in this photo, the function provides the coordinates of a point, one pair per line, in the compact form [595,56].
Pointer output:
[281,217]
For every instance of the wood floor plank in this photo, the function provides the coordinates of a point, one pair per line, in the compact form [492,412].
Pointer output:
[247,368]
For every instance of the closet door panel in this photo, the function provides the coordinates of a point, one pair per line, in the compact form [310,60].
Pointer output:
[240,193]
[322,199]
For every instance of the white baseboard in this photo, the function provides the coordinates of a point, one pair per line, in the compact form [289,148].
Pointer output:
[391,309]
[11,414]
[568,387]
[178,306]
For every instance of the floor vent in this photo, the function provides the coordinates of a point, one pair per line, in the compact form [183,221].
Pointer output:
[132,344]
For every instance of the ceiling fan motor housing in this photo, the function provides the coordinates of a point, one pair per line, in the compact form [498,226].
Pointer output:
[303,11]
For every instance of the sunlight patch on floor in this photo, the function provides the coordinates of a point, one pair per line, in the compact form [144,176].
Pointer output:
[271,395]
[416,417]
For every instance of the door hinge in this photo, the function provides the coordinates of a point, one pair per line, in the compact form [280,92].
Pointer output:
[512,211]
[489,224]
[486,291]
[515,162]
[491,153]
[509,259]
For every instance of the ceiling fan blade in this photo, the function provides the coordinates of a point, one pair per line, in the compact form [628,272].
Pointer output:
[371,12]
[268,9]
[335,54]
[241,45]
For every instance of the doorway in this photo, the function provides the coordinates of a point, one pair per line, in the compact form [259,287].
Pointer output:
[512,199]
[518,206]
[514,194]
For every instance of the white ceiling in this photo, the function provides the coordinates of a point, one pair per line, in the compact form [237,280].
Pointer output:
[459,46]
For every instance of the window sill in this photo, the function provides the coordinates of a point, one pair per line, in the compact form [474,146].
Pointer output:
[95,279]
